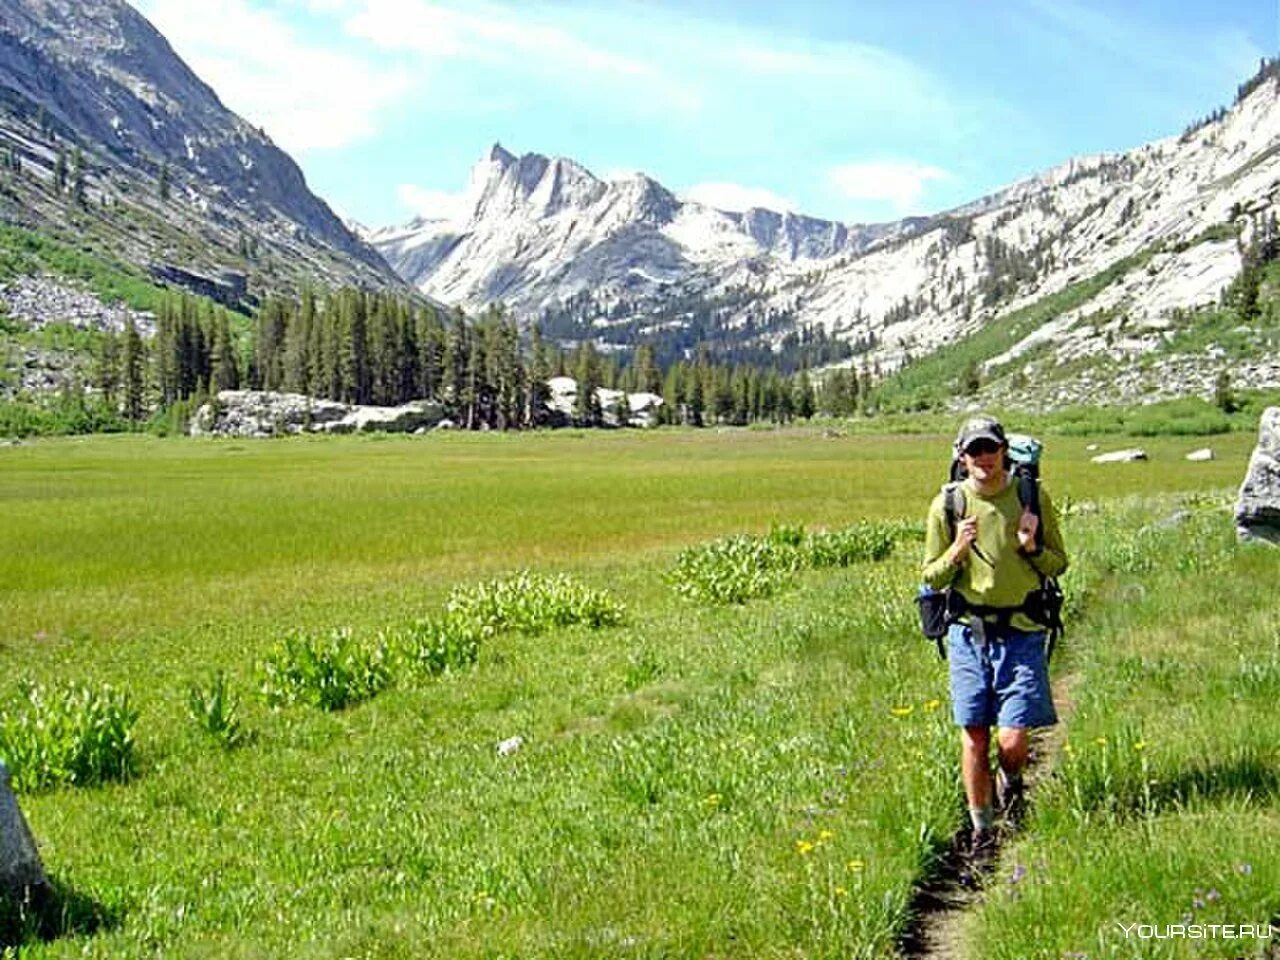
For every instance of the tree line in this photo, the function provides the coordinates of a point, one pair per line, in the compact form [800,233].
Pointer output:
[366,347]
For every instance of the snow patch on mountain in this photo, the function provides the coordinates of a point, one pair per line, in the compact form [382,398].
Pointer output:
[541,230]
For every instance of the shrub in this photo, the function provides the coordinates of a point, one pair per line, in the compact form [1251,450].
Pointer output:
[733,570]
[436,645]
[215,711]
[531,603]
[68,735]
[744,567]
[330,673]
[843,548]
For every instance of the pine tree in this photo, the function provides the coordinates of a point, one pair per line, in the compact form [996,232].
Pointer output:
[107,368]
[60,171]
[164,185]
[132,366]
[296,363]
[77,178]
[805,405]
[224,375]
[358,332]
[455,364]
[538,393]
[586,371]
[648,376]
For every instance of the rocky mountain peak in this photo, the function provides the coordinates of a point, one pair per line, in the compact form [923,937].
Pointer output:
[497,154]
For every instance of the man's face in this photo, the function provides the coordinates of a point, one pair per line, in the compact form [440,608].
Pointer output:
[984,459]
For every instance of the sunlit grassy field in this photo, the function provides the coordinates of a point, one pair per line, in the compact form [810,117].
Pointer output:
[760,780]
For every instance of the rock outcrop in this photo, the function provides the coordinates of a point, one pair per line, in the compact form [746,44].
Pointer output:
[1258,505]
[641,408]
[263,413]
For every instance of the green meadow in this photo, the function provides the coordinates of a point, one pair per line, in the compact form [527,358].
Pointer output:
[767,779]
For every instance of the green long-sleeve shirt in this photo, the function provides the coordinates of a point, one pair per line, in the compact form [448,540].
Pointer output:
[997,573]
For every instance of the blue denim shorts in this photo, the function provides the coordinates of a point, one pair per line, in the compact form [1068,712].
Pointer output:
[1001,682]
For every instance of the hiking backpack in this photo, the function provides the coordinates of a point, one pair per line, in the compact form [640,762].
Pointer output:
[941,608]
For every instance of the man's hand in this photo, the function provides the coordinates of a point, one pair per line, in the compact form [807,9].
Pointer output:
[1027,527]
[966,534]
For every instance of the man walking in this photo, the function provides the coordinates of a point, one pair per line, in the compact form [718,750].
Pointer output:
[993,561]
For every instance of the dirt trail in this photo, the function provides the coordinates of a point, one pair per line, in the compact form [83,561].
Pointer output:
[944,902]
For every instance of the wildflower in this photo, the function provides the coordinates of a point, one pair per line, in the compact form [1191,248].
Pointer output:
[1066,748]
[1140,745]
[855,865]
[1213,895]
[804,847]
[712,800]
[841,892]
[1244,869]
[933,704]
[1100,741]
[902,711]
[1019,871]
[825,835]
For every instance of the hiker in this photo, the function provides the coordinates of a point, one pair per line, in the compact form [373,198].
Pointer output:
[995,565]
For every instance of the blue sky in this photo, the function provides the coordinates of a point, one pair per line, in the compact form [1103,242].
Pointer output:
[846,110]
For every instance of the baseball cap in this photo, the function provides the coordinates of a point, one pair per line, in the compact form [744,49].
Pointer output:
[980,428]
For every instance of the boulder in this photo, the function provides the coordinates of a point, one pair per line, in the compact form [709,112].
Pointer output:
[265,413]
[21,873]
[641,408]
[1121,456]
[406,418]
[1201,455]
[1258,505]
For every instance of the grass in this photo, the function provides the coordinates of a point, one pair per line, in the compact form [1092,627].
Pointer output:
[766,779]
[1162,809]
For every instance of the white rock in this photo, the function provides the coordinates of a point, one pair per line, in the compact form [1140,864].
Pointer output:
[1199,456]
[1121,456]
[263,413]
[1258,504]
[510,745]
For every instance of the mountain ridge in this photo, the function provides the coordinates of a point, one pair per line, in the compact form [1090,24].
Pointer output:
[94,77]
[898,291]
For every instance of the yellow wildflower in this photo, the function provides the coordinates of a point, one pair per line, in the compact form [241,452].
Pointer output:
[825,835]
[1140,745]
[1100,741]
[855,865]
[901,711]
[841,892]
[933,704]
[804,847]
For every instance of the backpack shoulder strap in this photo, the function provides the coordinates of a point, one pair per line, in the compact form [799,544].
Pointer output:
[1029,496]
[953,504]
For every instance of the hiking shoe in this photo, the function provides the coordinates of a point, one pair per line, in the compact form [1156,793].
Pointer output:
[1011,801]
[979,858]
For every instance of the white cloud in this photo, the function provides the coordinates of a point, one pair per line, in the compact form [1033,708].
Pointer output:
[504,35]
[736,198]
[902,184]
[307,97]
[434,204]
